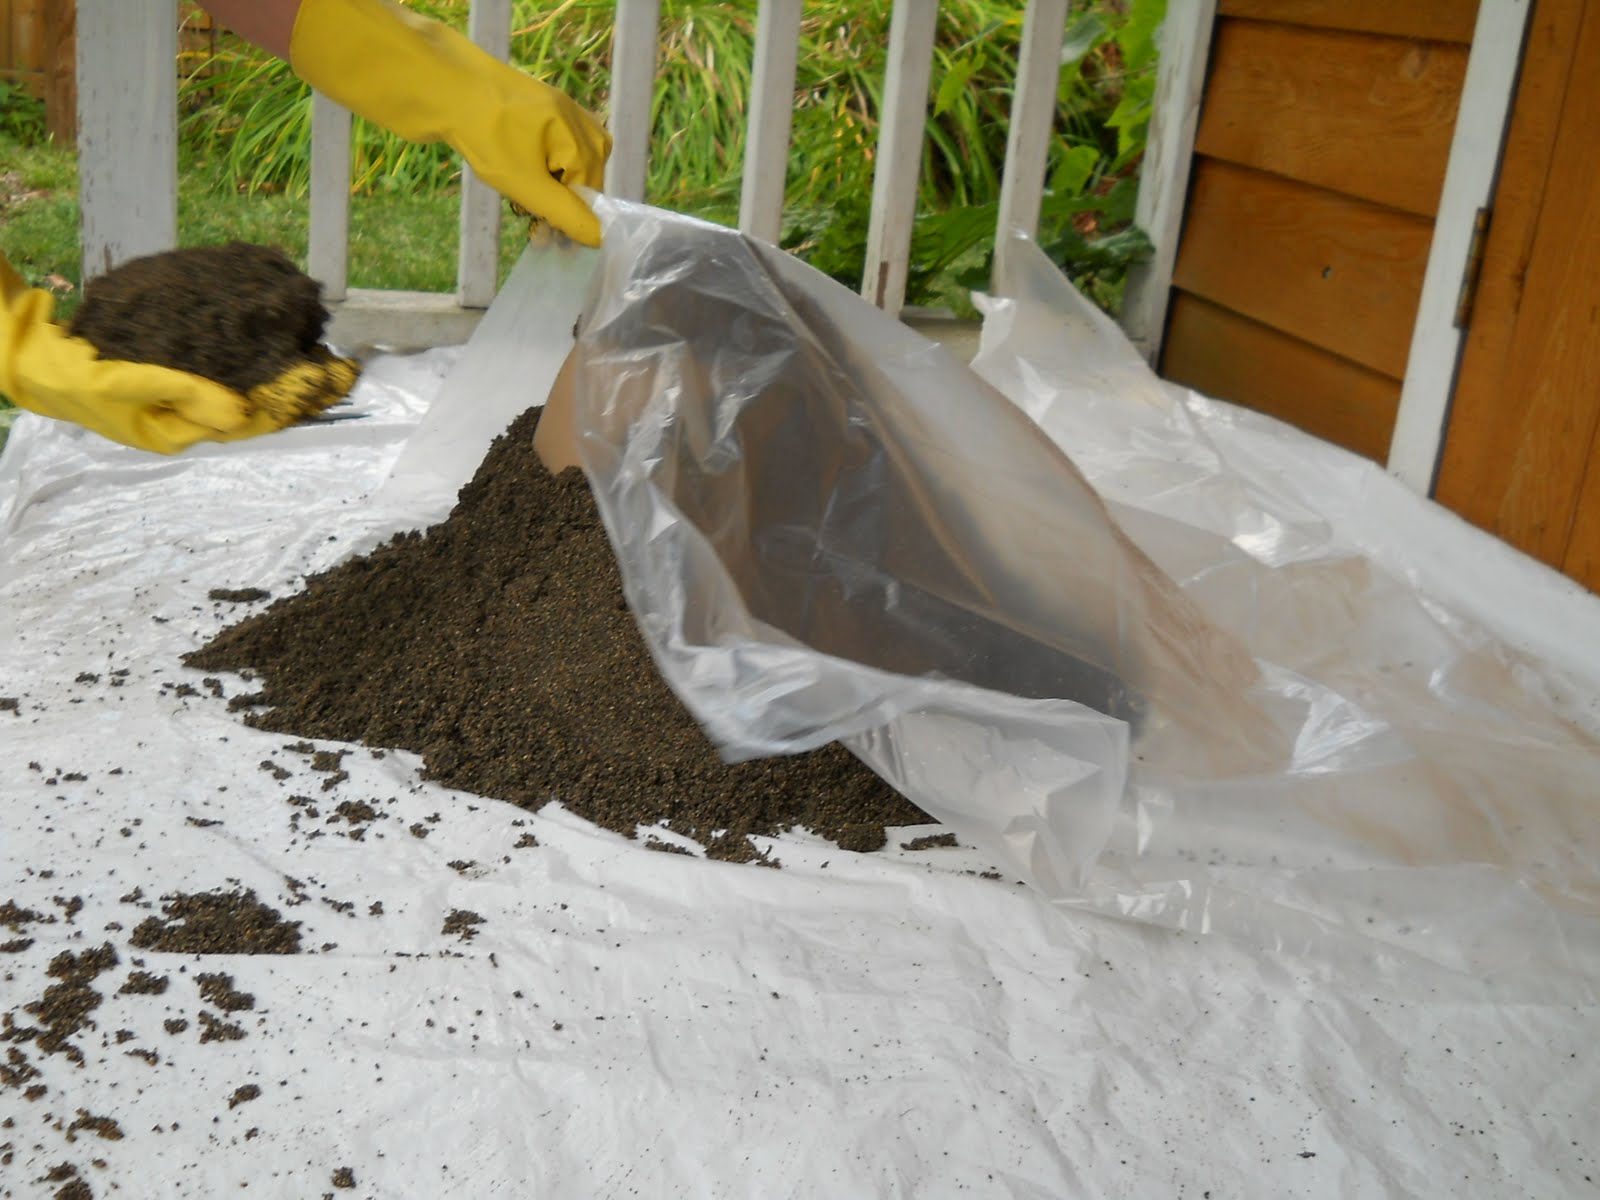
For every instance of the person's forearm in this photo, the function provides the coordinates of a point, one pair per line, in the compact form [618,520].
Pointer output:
[267,23]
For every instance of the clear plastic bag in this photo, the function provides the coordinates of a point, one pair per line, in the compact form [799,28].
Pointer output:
[830,529]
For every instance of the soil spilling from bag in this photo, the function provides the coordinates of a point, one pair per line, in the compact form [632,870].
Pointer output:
[499,647]
[238,314]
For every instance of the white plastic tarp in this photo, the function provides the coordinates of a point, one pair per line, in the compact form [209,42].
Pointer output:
[626,1022]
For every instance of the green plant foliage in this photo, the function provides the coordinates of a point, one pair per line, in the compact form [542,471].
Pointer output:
[21,115]
[245,127]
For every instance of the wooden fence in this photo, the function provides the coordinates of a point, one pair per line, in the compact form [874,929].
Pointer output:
[38,52]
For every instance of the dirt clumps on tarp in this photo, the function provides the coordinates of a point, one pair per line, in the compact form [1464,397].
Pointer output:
[217,923]
[498,646]
[238,314]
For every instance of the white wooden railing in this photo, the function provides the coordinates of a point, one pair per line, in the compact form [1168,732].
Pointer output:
[128,148]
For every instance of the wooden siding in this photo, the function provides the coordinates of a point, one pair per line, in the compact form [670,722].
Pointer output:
[1339,273]
[1426,20]
[1320,157]
[1257,366]
[1363,116]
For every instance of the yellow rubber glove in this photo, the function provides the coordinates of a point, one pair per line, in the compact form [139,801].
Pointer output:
[46,370]
[426,82]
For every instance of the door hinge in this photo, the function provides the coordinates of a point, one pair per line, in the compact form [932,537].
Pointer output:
[1468,295]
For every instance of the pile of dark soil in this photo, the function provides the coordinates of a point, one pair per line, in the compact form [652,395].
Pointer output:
[498,646]
[238,314]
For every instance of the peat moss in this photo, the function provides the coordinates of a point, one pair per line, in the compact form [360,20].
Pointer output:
[498,646]
[238,314]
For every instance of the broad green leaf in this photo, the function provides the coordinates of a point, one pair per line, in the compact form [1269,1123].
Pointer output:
[955,82]
[1132,113]
[1137,38]
[1073,170]
[1082,37]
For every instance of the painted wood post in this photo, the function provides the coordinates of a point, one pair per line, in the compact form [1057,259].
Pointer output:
[328,252]
[127,130]
[766,147]
[478,263]
[1164,175]
[1475,148]
[633,77]
[900,135]
[1033,110]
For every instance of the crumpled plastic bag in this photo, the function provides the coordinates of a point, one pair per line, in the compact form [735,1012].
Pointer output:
[828,528]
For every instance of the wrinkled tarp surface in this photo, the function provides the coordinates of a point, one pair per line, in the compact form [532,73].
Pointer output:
[626,1022]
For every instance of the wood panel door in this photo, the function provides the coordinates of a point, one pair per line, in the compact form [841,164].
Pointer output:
[1522,447]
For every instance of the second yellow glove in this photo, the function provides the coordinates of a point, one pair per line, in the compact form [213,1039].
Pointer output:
[426,82]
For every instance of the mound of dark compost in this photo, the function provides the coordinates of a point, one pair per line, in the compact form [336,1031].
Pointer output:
[498,646]
[238,314]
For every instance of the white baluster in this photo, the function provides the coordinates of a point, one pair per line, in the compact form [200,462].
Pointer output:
[766,153]
[1033,110]
[328,255]
[633,76]
[1164,173]
[127,130]
[478,263]
[894,182]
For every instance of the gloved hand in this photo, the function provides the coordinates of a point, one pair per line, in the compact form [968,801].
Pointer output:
[428,83]
[46,370]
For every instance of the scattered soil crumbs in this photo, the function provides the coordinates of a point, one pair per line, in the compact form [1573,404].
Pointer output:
[11,704]
[656,843]
[143,983]
[243,1095]
[498,646]
[344,1177]
[357,812]
[217,923]
[63,1011]
[15,918]
[17,1069]
[239,314]
[103,1127]
[214,1029]
[937,841]
[217,990]
[463,923]
[238,595]
[74,1187]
